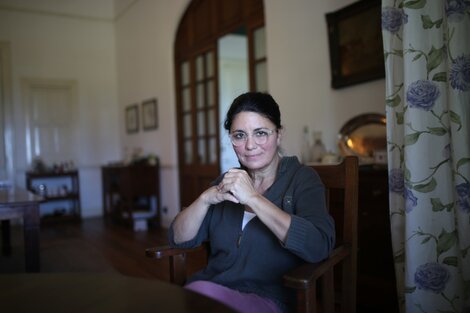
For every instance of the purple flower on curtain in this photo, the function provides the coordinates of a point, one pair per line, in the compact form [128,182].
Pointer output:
[396,180]
[393,18]
[432,277]
[455,10]
[460,73]
[410,200]
[422,94]
[463,193]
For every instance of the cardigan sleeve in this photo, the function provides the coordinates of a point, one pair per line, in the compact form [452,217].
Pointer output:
[311,235]
[203,232]
[201,236]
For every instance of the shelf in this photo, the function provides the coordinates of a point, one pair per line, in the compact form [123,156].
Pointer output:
[52,174]
[62,198]
[63,184]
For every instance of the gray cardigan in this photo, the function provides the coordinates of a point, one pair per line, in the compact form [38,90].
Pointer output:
[254,260]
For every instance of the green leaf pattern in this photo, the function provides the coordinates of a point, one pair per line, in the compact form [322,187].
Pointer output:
[428,135]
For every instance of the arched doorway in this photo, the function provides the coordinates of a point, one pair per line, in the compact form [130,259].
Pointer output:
[197,83]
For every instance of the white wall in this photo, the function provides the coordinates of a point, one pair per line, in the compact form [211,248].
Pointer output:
[145,35]
[46,45]
[299,73]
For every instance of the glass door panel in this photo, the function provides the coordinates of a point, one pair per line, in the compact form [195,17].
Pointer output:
[185,73]
[201,123]
[213,150]
[199,67]
[202,151]
[186,99]
[186,115]
[198,110]
[209,64]
[259,43]
[261,77]
[211,128]
[187,130]
[188,151]
[259,52]
[200,102]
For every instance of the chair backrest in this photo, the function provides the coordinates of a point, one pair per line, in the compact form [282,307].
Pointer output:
[341,184]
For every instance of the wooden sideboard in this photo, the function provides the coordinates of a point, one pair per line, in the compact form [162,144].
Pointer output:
[131,192]
[376,284]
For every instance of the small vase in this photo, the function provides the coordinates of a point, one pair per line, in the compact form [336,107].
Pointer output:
[318,148]
[305,152]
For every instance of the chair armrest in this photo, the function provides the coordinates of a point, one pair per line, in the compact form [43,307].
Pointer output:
[176,258]
[167,251]
[307,274]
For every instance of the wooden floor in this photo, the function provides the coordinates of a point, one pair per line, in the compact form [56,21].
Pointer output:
[94,245]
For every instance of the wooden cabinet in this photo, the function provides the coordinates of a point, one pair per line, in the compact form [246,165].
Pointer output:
[61,193]
[131,192]
[376,287]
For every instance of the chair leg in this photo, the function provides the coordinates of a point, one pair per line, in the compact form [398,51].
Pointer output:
[178,269]
[307,300]
[6,237]
[328,292]
[348,301]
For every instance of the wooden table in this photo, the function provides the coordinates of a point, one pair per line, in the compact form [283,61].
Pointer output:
[20,203]
[102,292]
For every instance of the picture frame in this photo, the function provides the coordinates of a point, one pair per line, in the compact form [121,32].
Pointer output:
[132,119]
[150,114]
[355,43]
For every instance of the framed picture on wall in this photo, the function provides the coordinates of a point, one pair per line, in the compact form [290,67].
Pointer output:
[132,119]
[150,114]
[355,43]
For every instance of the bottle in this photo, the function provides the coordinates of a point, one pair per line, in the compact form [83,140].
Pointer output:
[318,148]
[305,152]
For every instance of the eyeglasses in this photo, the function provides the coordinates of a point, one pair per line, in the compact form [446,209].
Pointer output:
[260,136]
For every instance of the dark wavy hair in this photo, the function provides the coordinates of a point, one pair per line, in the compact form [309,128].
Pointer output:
[258,102]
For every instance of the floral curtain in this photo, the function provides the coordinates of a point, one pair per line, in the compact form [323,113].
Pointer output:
[427,60]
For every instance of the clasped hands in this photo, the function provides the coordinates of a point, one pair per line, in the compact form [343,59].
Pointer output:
[236,186]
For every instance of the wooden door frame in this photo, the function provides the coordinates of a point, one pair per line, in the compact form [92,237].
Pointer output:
[200,27]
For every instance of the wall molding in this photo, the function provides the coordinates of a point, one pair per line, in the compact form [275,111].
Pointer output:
[18,9]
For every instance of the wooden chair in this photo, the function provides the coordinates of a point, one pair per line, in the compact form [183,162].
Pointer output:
[333,281]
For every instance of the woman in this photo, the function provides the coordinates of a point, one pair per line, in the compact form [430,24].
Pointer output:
[262,219]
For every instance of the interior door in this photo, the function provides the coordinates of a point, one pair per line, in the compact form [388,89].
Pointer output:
[198,120]
[197,83]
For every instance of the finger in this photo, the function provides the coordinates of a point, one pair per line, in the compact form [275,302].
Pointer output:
[230,197]
[223,187]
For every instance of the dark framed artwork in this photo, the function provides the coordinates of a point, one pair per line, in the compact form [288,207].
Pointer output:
[150,114]
[355,43]
[132,119]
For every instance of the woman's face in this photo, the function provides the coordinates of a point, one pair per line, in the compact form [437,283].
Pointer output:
[250,154]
